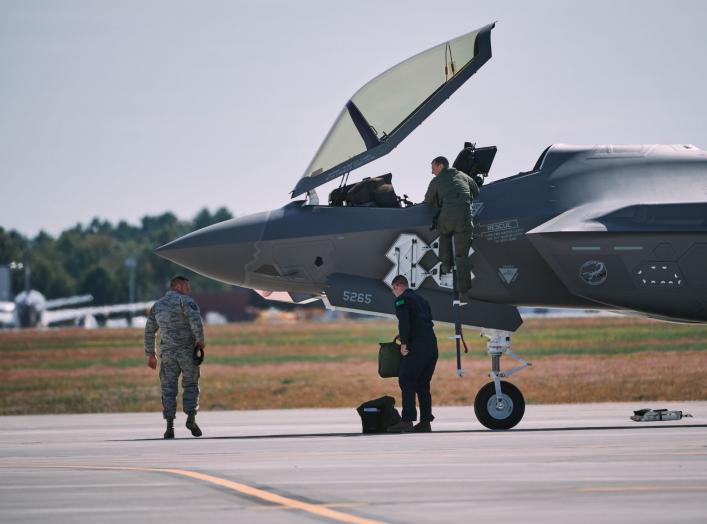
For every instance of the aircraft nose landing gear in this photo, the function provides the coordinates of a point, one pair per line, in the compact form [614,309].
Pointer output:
[499,404]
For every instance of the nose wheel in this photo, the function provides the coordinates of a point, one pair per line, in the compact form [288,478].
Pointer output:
[499,413]
[499,404]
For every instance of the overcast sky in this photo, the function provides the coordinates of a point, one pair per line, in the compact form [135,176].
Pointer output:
[125,108]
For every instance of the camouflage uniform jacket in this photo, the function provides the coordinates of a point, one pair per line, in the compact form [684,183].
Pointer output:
[450,194]
[178,318]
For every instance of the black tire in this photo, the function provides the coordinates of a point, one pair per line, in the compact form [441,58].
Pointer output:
[484,406]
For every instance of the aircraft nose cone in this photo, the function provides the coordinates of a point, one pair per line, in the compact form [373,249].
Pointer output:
[220,251]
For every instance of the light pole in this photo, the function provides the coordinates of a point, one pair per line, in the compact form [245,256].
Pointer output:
[131,263]
[19,266]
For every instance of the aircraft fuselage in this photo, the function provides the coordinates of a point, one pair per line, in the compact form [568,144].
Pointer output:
[618,234]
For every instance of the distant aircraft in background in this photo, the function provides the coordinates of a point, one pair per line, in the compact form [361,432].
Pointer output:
[31,309]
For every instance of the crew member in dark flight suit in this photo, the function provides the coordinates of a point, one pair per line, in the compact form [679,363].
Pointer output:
[419,351]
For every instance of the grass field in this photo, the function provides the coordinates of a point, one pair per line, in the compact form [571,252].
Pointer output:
[254,366]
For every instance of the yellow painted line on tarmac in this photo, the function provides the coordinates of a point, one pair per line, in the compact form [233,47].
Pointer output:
[640,489]
[315,509]
[331,505]
[320,510]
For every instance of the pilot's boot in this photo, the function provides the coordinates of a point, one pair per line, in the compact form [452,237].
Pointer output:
[191,424]
[169,433]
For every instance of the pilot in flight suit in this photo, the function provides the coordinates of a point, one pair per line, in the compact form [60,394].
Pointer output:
[450,194]
[420,353]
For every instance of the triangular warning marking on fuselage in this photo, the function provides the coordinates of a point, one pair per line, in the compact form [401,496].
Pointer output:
[508,273]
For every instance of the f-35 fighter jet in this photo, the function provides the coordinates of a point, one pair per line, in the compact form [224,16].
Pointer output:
[616,227]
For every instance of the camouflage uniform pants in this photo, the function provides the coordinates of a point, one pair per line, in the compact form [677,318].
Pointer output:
[172,363]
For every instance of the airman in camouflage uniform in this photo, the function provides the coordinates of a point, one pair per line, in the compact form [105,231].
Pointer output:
[450,194]
[177,317]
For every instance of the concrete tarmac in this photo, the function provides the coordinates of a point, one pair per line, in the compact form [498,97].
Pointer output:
[563,463]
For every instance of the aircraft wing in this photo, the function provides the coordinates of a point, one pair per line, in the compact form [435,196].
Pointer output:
[389,107]
[68,301]
[62,315]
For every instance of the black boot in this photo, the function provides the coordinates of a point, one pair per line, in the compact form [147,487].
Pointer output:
[191,424]
[169,433]
[422,427]
[404,426]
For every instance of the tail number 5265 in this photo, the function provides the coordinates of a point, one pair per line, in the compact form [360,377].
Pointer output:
[358,298]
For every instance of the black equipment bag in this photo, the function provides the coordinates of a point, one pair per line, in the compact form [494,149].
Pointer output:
[378,414]
[384,196]
[389,359]
[372,192]
[338,196]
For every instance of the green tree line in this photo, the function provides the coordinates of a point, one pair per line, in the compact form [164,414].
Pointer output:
[91,258]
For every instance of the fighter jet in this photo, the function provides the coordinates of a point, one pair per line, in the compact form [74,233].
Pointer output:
[610,227]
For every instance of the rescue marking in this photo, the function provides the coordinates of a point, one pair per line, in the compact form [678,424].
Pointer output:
[500,232]
[321,510]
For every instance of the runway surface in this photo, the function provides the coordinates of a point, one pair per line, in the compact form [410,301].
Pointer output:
[563,463]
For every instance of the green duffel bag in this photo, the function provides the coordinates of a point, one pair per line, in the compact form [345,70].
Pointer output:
[389,359]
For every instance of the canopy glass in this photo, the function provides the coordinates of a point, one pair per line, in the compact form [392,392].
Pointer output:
[389,107]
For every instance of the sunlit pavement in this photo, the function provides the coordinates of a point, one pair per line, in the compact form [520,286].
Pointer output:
[563,463]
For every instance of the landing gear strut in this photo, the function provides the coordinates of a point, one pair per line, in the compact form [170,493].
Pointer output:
[499,404]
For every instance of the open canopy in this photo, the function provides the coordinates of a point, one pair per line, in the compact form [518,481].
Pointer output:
[386,110]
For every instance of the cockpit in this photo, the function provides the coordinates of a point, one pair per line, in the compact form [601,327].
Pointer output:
[379,191]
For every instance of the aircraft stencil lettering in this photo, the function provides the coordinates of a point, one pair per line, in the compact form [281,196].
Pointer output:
[576,199]
[505,231]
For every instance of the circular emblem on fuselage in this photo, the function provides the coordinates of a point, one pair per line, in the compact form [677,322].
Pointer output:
[593,272]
